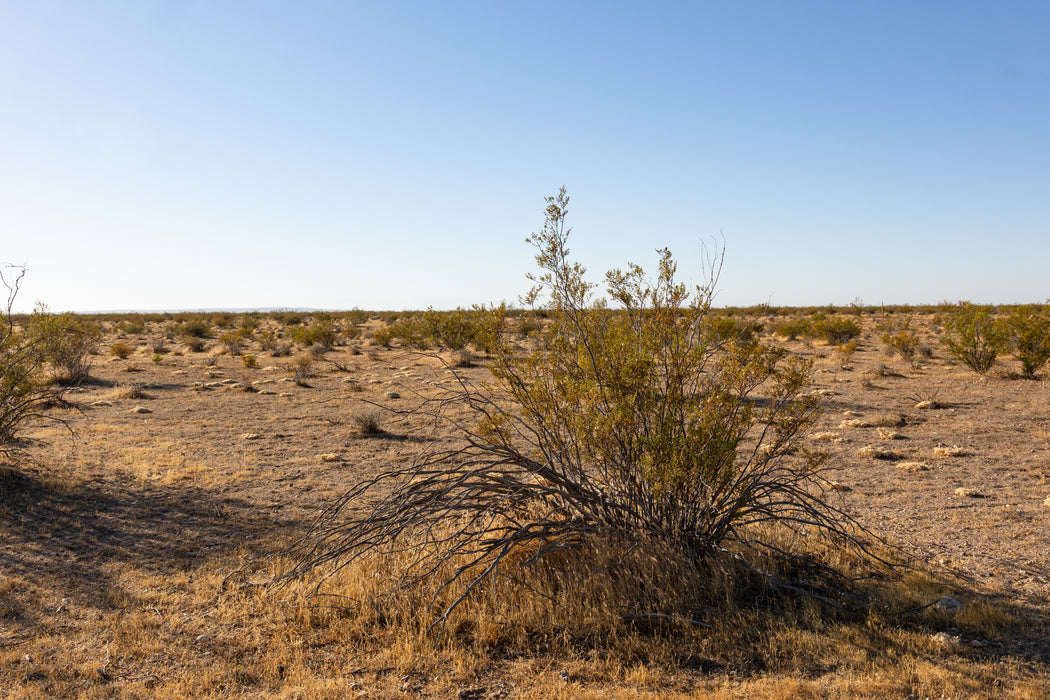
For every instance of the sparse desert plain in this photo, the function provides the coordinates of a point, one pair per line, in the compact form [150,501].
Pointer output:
[125,511]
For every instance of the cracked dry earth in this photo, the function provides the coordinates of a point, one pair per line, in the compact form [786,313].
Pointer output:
[204,458]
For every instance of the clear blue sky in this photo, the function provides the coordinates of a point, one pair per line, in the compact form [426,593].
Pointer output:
[384,155]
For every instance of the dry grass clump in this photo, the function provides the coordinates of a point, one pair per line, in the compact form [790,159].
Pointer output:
[600,610]
[873,452]
[367,422]
[128,391]
[913,466]
[854,423]
[953,451]
[887,434]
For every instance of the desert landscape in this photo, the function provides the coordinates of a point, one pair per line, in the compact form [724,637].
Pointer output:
[144,515]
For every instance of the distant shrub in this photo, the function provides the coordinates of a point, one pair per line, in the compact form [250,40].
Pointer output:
[249,323]
[971,336]
[383,336]
[1025,333]
[900,339]
[222,320]
[351,332]
[836,329]
[794,329]
[233,342]
[301,368]
[194,327]
[132,327]
[121,349]
[321,334]
[287,318]
[356,316]
[193,343]
[249,361]
[68,343]
[528,325]
[724,329]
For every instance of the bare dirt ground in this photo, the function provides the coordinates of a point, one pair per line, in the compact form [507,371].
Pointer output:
[115,538]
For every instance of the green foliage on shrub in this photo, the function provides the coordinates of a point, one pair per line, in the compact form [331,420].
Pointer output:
[320,333]
[23,389]
[1025,333]
[629,428]
[900,339]
[971,336]
[68,343]
[121,349]
[795,328]
[724,329]
[194,328]
[836,329]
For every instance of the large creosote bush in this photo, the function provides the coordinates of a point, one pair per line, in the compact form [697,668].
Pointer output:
[630,427]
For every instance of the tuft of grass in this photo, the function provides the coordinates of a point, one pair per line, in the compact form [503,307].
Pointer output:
[367,422]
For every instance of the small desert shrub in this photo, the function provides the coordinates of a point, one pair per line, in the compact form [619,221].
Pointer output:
[301,368]
[836,330]
[723,329]
[794,329]
[157,358]
[159,346]
[132,327]
[287,318]
[233,342]
[351,331]
[970,336]
[67,341]
[528,325]
[901,340]
[193,343]
[457,329]
[1025,333]
[281,348]
[222,320]
[194,327]
[321,334]
[383,336]
[267,340]
[249,323]
[121,349]
[249,361]
[845,352]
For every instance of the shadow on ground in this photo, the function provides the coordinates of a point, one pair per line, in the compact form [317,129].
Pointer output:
[75,538]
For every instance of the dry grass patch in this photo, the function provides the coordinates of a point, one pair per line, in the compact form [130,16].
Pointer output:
[913,466]
[873,452]
[952,451]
